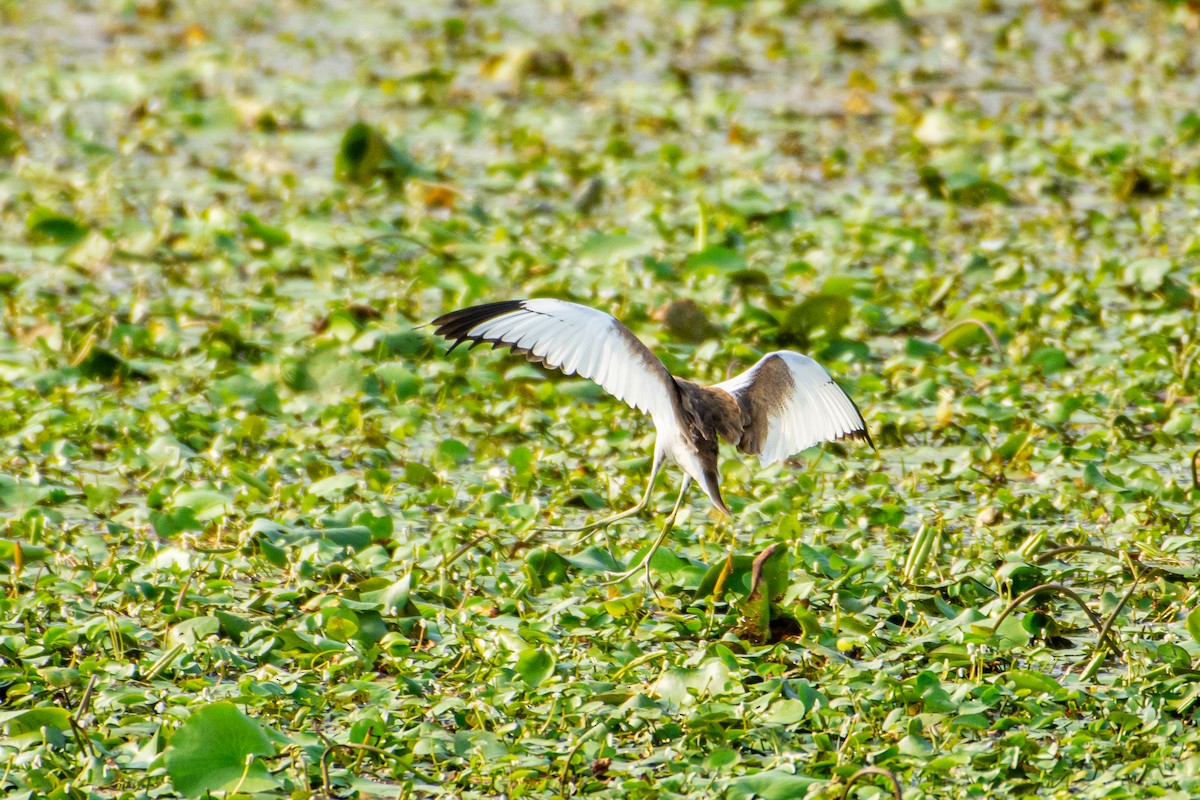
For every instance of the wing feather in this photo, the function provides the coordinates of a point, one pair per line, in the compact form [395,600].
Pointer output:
[789,403]
[577,340]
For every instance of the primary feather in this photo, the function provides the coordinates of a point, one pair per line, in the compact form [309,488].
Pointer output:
[577,340]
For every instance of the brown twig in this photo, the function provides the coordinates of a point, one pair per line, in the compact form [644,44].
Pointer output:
[86,699]
[982,326]
[866,771]
[1076,548]
[1068,592]
[325,782]
[1094,663]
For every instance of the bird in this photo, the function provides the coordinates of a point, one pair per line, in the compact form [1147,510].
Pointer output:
[782,405]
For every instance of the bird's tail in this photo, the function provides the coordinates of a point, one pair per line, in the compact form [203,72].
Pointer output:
[712,487]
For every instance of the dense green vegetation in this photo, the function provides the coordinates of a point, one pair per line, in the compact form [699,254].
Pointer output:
[261,537]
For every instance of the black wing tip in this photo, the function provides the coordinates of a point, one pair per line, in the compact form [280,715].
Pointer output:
[861,435]
[456,325]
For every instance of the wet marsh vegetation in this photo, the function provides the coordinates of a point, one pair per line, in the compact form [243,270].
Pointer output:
[261,538]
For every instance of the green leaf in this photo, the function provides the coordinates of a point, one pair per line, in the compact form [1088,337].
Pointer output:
[1148,274]
[204,503]
[1193,624]
[772,583]
[1096,479]
[520,459]
[1048,359]
[682,686]
[29,552]
[546,567]
[269,236]
[365,155]
[49,226]
[828,313]
[606,248]
[172,523]
[399,379]
[395,597]
[216,750]
[1035,682]
[20,497]
[716,258]
[771,784]
[720,758]
[1173,655]
[15,723]
[193,630]
[334,485]
[355,537]
[624,605]
[594,559]
[534,666]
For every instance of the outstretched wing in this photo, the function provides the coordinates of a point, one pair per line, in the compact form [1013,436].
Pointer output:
[575,339]
[789,403]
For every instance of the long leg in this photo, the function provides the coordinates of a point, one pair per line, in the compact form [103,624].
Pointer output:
[662,537]
[629,512]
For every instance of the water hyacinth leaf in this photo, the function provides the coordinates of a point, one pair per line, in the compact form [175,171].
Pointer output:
[20,497]
[594,559]
[354,537]
[233,625]
[625,604]
[394,598]
[218,748]
[825,313]
[13,552]
[534,666]
[1193,624]
[22,721]
[1095,478]
[334,485]
[969,189]
[721,758]
[717,259]
[920,348]
[341,624]
[728,573]
[172,523]
[1035,682]
[520,459]
[417,474]
[606,248]
[546,567]
[685,686]
[961,335]
[399,379]
[204,503]
[48,226]
[1048,360]
[193,630]
[270,237]
[771,784]
[365,155]
[454,451]
[1148,274]
[1174,656]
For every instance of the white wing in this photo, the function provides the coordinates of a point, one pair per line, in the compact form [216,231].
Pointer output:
[577,340]
[789,403]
